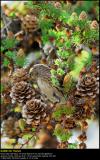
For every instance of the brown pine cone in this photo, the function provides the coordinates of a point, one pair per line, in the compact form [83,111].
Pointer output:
[94,69]
[57,4]
[94,25]
[83,15]
[82,145]
[87,87]
[96,74]
[83,112]
[21,92]
[11,128]
[20,75]
[97,106]
[84,125]
[34,111]
[29,23]
[69,123]
[79,113]
[62,145]
[82,137]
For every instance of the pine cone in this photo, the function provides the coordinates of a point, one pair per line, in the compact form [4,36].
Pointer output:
[62,145]
[83,15]
[94,69]
[87,87]
[82,145]
[96,107]
[84,125]
[21,92]
[69,123]
[82,137]
[20,75]
[34,111]
[11,128]
[83,112]
[74,14]
[96,74]
[79,114]
[29,23]
[94,25]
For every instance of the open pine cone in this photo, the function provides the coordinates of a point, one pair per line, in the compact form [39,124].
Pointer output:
[29,23]
[62,145]
[34,111]
[20,75]
[96,74]
[69,123]
[83,112]
[21,92]
[87,87]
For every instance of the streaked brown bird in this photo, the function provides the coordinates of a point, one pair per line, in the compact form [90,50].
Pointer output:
[41,73]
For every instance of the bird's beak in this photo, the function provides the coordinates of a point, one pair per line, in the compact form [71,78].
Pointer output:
[30,71]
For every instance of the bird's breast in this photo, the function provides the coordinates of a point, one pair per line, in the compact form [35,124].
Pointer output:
[44,86]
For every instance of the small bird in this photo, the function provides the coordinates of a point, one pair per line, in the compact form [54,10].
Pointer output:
[41,73]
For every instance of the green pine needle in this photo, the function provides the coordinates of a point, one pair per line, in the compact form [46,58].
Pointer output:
[63,110]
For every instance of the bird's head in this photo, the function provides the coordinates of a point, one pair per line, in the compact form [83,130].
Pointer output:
[40,70]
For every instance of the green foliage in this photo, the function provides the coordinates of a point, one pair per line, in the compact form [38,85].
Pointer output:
[30,5]
[2,48]
[62,134]
[72,20]
[86,6]
[6,62]
[72,146]
[51,10]
[2,24]
[97,12]
[12,15]
[90,36]
[52,33]
[48,17]
[81,61]
[2,87]
[76,39]
[45,24]
[54,81]
[53,72]
[60,72]
[63,53]
[33,129]
[22,124]
[20,61]
[63,110]
[69,85]
[27,136]
[10,54]
[70,61]
[9,43]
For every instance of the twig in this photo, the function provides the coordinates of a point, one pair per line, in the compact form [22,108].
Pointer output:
[11,63]
[26,142]
[4,20]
